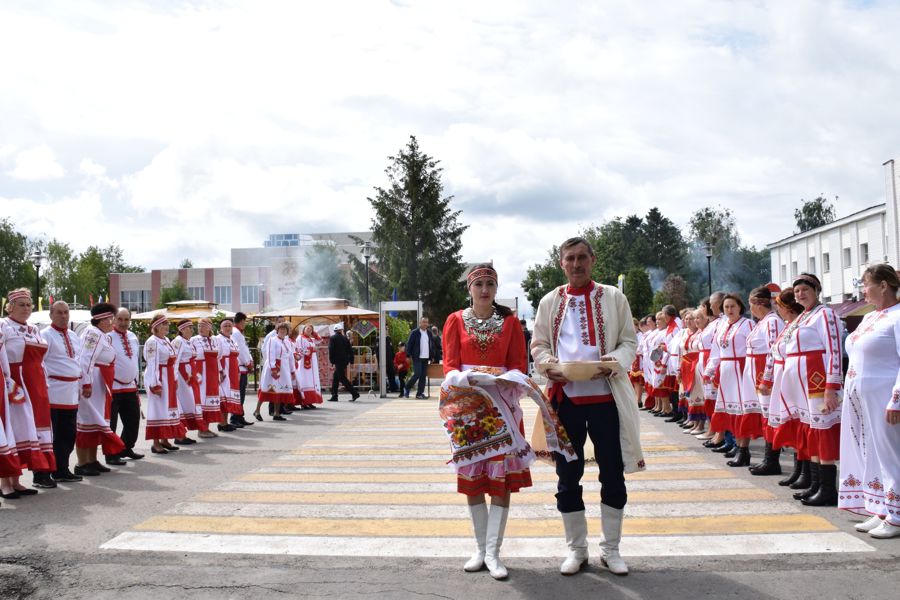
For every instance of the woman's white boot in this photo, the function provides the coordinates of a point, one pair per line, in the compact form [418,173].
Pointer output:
[496,525]
[479,514]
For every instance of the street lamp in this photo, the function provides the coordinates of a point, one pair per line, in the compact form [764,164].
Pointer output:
[366,251]
[709,248]
[36,259]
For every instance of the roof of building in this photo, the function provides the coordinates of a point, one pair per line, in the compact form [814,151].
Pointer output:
[836,223]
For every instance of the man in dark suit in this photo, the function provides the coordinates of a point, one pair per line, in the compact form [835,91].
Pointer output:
[421,351]
[340,354]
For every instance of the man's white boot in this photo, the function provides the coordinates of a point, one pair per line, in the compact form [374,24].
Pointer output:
[576,539]
[611,521]
[496,525]
[479,514]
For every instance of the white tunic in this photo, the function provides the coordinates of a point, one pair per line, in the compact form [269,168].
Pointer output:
[92,422]
[276,382]
[189,410]
[870,447]
[577,342]
[63,369]
[126,347]
[759,342]
[730,347]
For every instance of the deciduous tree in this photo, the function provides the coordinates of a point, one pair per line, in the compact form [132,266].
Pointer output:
[814,213]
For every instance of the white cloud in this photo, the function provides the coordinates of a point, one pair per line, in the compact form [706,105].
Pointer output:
[196,127]
[36,164]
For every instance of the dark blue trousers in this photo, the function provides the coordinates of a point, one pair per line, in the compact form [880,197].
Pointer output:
[601,423]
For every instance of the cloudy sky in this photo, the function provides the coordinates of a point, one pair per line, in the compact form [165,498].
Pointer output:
[183,129]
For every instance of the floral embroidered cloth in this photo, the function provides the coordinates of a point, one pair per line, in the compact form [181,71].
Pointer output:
[478,408]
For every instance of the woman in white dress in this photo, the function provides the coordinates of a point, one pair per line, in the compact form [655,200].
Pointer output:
[275,383]
[187,386]
[308,384]
[163,417]
[870,434]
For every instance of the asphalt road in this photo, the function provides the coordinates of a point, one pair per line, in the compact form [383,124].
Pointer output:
[51,543]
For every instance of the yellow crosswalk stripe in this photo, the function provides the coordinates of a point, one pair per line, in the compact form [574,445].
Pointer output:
[411,464]
[450,477]
[432,498]
[730,524]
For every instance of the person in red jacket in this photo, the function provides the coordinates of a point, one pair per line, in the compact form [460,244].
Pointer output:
[401,366]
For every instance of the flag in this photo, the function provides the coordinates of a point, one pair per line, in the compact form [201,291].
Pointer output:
[101,299]
[51,300]
[2,304]
[40,304]
[621,282]
[393,314]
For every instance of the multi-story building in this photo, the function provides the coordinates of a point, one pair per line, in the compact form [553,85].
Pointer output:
[838,253]
[261,278]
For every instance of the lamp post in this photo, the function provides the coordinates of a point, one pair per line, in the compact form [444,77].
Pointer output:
[366,251]
[36,259]
[708,248]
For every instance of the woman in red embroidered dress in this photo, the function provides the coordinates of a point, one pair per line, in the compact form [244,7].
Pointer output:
[488,335]
[10,469]
[163,417]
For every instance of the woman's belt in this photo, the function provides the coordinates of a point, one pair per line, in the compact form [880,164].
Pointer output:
[806,353]
[63,378]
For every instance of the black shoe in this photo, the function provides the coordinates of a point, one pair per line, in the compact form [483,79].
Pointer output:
[226,427]
[742,459]
[237,424]
[354,397]
[724,448]
[11,496]
[813,485]
[804,480]
[278,418]
[185,441]
[245,422]
[827,494]
[86,470]
[155,451]
[130,453]
[96,464]
[43,480]
[675,418]
[66,477]
[710,444]
[795,474]
[420,397]
[115,460]
[732,453]
[770,464]
[287,411]
[27,492]
[333,399]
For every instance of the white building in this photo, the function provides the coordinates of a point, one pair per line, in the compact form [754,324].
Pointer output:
[838,253]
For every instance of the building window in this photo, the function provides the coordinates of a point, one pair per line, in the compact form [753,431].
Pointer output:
[784,272]
[135,300]
[249,294]
[197,293]
[812,265]
[826,263]
[222,294]
[847,260]
[794,269]
[864,254]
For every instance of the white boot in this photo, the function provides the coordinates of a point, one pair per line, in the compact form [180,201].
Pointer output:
[869,524]
[611,520]
[576,539]
[496,525]
[479,514]
[885,531]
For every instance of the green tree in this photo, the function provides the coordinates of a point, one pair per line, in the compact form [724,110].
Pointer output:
[172,293]
[323,277]
[399,330]
[15,269]
[92,270]
[417,236]
[638,291]
[543,278]
[186,264]
[716,227]
[60,270]
[814,213]
[666,246]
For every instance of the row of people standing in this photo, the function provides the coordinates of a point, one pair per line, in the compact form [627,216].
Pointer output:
[778,377]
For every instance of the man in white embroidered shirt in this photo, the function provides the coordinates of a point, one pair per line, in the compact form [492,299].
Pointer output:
[245,363]
[125,401]
[587,321]
[63,385]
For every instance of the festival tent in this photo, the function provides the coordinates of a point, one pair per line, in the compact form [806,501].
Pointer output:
[185,309]
[78,319]
[322,311]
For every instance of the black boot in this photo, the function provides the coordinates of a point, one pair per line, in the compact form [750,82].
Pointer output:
[827,493]
[723,448]
[674,418]
[733,451]
[803,479]
[771,465]
[813,483]
[742,460]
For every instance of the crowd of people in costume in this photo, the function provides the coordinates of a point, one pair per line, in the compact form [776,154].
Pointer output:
[64,392]
[778,376]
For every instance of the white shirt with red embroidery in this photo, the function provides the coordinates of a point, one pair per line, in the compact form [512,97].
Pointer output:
[62,367]
[577,342]
[126,347]
[244,357]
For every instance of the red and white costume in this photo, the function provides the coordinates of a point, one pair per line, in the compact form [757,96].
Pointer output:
[666,368]
[308,370]
[782,420]
[187,386]
[728,355]
[813,365]
[30,413]
[649,367]
[278,372]
[710,383]
[870,447]
[126,346]
[754,407]
[163,416]
[636,373]
[244,357]
[9,459]
[691,397]
[63,367]
[206,355]
[98,369]
[229,360]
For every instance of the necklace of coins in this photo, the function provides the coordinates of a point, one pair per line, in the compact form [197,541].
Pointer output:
[483,331]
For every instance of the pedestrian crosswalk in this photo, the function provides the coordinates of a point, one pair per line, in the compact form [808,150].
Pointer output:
[378,485]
